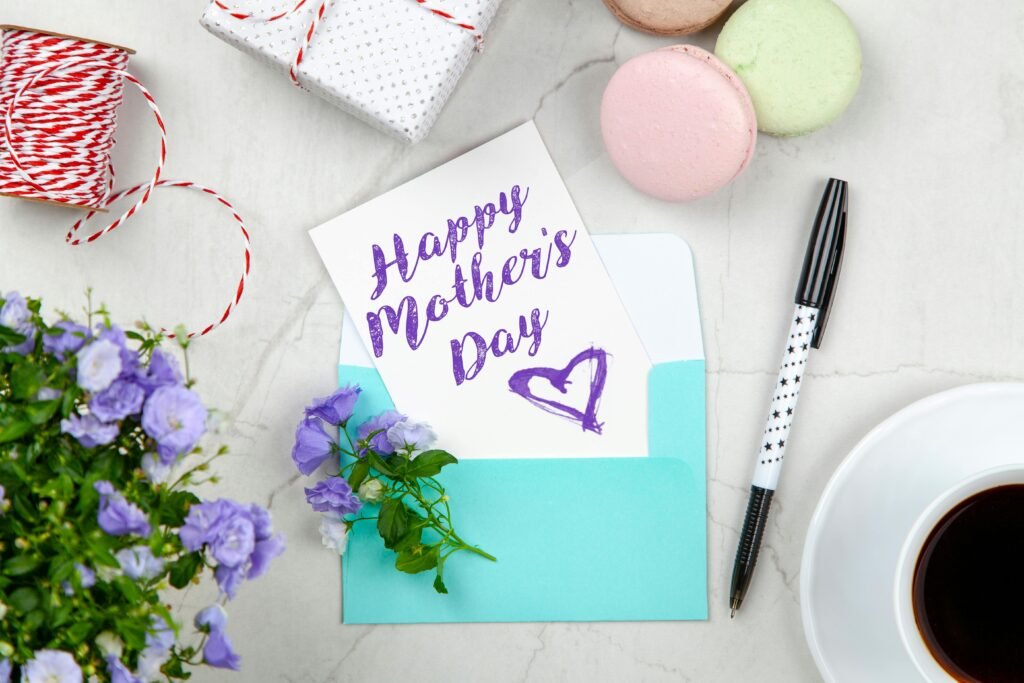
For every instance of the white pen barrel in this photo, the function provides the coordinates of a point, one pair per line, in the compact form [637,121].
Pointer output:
[784,400]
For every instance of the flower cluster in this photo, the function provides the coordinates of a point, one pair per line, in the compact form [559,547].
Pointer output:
[95,422]
[389,463]
[238,537]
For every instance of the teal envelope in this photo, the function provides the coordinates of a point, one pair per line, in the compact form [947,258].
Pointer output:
[592,539]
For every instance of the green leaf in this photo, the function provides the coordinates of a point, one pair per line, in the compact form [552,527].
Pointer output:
[175,508]
[26,381]
[132,631]
[185,568]
[360,471]
[429,463]
[14,428]
[439,585]
[79,631]
[61,569]
[60,615]
[101,553]
[39,412]
[174,669]
[24,599]
[128,589]
[377,463]
[412,539]
[60,488]
[393,521]
[9,337]
[413,562]
[22,564]
[33,620]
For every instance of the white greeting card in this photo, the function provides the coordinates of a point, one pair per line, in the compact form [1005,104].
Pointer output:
[487,311]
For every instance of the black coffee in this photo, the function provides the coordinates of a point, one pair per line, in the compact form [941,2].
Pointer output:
[969,588]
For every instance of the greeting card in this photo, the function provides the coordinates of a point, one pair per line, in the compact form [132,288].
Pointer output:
[488,312]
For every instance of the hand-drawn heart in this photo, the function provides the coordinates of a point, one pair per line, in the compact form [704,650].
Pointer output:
[519,383]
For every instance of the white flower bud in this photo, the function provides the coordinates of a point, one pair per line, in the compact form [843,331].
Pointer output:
[334,533]
[372,491]
[110,644]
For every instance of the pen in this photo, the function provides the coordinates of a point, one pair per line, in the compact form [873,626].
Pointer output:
[813,300]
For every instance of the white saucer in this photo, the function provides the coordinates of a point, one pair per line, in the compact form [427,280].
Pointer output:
[867,510]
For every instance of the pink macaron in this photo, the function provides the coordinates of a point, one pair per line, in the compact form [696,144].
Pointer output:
[678,123]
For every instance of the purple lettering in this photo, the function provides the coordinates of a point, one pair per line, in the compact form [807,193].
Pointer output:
[517,206]
[564,248]
[394,317]
[459,370]
[508,276]
[457,231]
[433,315]
[380,266]
[502,343]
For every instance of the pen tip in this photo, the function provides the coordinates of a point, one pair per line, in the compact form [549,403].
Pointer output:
[732,614]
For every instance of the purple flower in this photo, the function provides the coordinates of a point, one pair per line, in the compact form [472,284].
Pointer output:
[161,636]
[313,445]
[229,579]
[89,431]
[47,394]
[121,399]
[117,516]
[235,541]
[15,315]
[162,371]
[337,408]
[239,538]
[175,418]
[116,336]
[139,562]
[86,576]
[5,670]
[99,364]
[204,521]
[212,618]
[155,469]
[219,653]
[380,424]
[159,641]
[333,495]
[86,579]
[406,433]
[64,338]
[51,666]
[261,522]
[264,551]
[119,673]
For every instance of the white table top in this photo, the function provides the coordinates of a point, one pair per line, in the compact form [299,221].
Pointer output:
[931,147]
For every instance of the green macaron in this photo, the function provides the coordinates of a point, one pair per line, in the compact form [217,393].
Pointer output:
[800,61]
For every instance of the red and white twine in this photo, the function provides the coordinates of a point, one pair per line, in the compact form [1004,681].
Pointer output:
[318,15]
[59,98]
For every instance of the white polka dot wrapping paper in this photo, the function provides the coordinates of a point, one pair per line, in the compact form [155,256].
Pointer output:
[390,63]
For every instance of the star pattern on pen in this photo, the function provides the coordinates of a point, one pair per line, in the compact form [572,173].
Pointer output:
[787,387]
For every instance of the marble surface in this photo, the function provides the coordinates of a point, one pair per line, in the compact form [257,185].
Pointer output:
[928,299]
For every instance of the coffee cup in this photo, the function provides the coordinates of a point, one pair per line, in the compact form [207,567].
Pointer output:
[931,658]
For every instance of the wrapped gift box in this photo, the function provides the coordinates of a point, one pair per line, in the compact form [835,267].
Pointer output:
[390,63]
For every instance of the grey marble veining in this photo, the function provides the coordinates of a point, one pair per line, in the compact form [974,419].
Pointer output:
[928,300]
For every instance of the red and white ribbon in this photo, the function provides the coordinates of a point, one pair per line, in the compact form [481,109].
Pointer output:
[318,15]
[59,97]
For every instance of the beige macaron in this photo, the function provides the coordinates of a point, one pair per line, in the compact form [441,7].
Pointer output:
[668,17]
